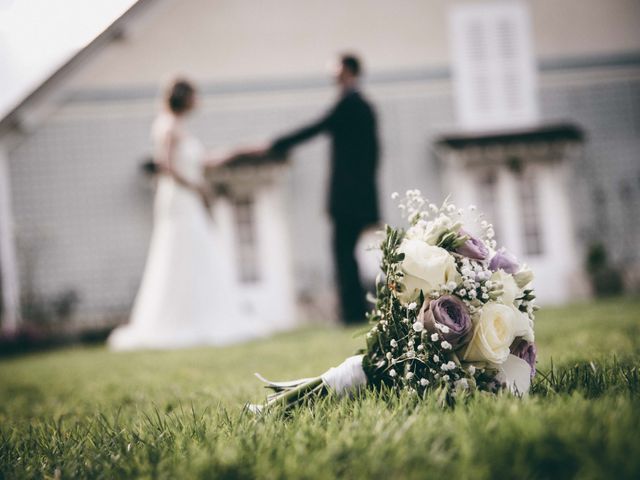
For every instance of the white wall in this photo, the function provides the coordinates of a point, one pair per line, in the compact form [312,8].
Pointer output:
[247,39]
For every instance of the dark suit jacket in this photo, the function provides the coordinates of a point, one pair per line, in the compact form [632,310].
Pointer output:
[351,124]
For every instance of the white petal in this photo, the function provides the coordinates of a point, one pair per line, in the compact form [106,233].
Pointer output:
[516,373]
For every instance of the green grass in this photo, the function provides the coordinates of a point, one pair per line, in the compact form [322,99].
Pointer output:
[88,413]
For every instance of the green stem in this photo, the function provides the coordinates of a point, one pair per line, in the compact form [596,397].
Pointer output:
[298,394]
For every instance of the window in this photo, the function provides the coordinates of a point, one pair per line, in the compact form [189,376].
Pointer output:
[532,235]
[246,244]
[493,64]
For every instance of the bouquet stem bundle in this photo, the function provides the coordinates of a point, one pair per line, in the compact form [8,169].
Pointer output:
[289,394]
[342,380]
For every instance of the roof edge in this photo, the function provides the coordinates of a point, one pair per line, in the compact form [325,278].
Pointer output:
[112,32]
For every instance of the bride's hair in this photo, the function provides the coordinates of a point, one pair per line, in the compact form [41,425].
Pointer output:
[180,95]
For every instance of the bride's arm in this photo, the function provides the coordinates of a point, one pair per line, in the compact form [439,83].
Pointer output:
[167,164]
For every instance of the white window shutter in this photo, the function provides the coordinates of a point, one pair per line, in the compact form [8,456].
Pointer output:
[493,65]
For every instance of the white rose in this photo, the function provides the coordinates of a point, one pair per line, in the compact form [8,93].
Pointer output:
[524,325]
[496,328]
[425,268]
[510,290]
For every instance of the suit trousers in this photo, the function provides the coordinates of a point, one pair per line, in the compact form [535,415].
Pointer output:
[351,294]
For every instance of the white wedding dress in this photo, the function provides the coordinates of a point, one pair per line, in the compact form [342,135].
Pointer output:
[185,298]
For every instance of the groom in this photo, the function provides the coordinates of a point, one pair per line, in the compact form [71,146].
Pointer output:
[353,202]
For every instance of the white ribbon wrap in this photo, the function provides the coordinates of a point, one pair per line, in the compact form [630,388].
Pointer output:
[516,373]
[346,377]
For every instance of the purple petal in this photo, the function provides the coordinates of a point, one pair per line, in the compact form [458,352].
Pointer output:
[473,248]
[503,260]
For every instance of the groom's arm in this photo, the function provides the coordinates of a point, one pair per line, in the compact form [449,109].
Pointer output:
[282,144]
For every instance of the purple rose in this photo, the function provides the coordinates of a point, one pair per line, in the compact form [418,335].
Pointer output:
[447,311]
[526,351]
[505,261]
[473,248]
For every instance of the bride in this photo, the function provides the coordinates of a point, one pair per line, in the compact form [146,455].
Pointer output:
[185,297]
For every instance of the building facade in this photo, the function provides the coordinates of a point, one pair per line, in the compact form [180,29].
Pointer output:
[80,207]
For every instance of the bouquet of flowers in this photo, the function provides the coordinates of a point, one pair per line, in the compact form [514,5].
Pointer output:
[453,314]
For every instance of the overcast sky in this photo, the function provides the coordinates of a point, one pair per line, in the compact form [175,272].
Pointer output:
[37,36]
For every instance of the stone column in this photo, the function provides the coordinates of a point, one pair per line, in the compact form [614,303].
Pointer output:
[8,263]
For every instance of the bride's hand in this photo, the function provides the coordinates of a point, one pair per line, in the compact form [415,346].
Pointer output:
[254,151]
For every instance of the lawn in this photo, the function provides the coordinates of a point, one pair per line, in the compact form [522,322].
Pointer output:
[87,413]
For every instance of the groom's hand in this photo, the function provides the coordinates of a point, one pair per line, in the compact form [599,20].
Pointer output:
[249,155]
[260,150]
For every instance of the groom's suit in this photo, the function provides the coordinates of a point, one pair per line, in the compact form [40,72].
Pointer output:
[353,199]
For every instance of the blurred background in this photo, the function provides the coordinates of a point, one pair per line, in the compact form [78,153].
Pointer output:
[528,109]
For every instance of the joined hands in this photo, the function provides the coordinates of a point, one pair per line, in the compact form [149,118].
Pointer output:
[254,153]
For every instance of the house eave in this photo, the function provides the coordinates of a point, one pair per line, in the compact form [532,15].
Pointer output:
[14,121]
